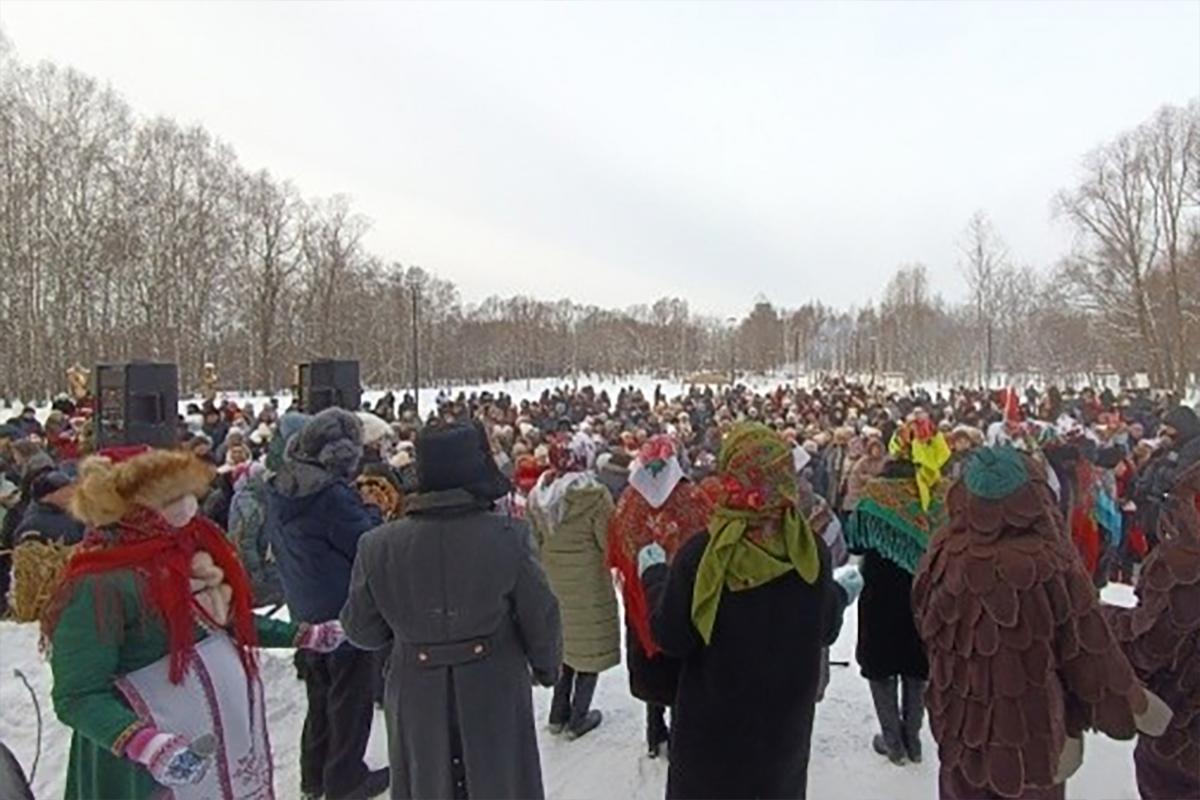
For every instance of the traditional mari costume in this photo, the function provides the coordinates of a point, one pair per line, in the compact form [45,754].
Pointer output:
[746,606]
[1022,660]
[1161,636]
[152,630]
[660,506]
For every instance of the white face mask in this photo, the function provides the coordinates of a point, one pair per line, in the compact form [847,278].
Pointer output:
[181,511]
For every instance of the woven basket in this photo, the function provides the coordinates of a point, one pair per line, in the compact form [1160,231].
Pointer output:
[37,569]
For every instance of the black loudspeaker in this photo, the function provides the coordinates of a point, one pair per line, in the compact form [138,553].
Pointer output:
[137,403]
[324,384]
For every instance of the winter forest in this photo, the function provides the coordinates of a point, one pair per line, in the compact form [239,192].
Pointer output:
[125,237]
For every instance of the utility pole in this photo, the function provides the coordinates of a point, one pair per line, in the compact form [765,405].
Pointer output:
[732,322]
[796,335]
[416,354]
[987,368]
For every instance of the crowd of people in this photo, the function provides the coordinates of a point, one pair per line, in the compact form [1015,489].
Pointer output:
[440,565]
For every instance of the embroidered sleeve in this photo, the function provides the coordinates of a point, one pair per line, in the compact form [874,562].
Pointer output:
[122,740]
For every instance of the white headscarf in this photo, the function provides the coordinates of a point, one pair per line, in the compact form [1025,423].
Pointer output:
[656,471]
[575,470]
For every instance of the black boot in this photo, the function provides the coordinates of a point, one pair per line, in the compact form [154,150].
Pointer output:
[657,733]
[912,701]
[583,720]
[560,703]
[889,742]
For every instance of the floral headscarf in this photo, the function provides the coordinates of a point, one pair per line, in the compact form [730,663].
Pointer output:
[660,507]
[656,471]
[572,454]
[757,533]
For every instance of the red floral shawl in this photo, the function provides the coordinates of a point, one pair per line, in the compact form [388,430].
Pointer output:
[635,524]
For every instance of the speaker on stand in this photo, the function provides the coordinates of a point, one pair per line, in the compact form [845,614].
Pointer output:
[327,383]
[136,403]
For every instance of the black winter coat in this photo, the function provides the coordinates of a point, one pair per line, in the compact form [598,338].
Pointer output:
[217,501]
[888,643]
[743,714]
[1157,478]
[651,680]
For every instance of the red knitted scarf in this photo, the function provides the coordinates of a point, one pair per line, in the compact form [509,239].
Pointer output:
[161,557]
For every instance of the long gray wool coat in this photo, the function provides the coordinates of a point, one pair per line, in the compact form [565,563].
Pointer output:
[458,595]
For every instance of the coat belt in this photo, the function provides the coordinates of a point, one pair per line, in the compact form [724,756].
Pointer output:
[449,654]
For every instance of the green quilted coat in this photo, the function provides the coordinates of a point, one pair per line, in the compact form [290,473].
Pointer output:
[94,644]
[573,555]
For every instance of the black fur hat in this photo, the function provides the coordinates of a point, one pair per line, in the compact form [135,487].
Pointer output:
[457,456]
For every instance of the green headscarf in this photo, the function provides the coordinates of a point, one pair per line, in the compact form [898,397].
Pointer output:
[756,533]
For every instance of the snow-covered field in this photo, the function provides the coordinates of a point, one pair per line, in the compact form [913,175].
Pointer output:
[517,389]
[532,389]
[608,763]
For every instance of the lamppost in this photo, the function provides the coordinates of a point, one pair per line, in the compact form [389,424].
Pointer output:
[416,353]
[874,358]
[732,322]
[574,350]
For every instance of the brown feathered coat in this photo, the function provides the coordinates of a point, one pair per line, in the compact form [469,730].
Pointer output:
[1020,655]
[1161,636]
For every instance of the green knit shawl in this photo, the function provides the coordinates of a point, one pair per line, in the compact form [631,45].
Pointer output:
[889,520]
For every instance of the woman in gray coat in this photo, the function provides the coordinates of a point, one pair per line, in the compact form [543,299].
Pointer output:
[456,591]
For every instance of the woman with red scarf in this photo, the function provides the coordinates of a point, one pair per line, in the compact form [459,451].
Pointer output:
[152,641]
[660,506]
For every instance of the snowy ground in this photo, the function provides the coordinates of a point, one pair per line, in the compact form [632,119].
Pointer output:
[518,390]
[606,764]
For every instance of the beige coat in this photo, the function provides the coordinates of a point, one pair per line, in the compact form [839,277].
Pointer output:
[573,555]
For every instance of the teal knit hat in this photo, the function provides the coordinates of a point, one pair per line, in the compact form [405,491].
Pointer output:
[994,473]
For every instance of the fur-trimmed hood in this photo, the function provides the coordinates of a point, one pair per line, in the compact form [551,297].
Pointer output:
[107,491]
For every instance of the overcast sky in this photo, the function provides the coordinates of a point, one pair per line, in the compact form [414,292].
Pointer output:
[618,152]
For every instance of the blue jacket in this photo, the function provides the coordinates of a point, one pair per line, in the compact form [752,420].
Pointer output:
[314,522]
[48,523]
